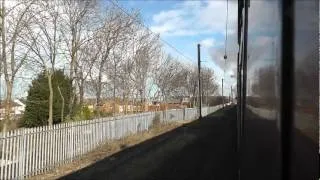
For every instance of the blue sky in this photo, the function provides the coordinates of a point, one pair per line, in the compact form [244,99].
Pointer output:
[184,24]
[150,10]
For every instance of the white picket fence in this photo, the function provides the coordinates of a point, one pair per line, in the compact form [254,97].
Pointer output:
[28,152]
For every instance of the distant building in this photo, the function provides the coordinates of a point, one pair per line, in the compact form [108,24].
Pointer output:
[185,100]
[17,108]
[135,105]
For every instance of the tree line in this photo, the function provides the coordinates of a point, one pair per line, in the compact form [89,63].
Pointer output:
[103,51]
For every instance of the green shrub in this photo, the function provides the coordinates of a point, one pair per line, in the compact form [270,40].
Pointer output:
[37,104]
[86,113]
[97,113]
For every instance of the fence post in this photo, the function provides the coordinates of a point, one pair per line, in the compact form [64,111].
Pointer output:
[6,154]
[33,142]
[37,150]
[53,156]
[17,153]
[11,134]
[58,142]
[22,153]
[64,139]
[18,166]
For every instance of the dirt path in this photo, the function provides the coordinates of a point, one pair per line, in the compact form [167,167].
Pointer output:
[198,150]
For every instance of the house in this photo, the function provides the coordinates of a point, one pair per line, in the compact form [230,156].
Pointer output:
[186,101]
[135,105]
[121,106]
[17,108]
[176,103]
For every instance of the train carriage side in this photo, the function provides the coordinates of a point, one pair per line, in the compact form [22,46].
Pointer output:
[278,89]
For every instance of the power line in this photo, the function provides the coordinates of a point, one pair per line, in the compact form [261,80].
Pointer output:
[225,50]
[164,41]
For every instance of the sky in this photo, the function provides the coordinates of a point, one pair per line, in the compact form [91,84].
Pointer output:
[184,24]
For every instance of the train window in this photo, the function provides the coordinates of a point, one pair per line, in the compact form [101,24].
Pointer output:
[305,134]
[279,89]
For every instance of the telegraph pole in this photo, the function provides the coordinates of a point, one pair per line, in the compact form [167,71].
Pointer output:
[222,94]
[231,95]
[200,92]
[1,29]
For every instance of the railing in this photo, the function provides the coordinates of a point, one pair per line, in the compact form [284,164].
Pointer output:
[191,113]
[28,152]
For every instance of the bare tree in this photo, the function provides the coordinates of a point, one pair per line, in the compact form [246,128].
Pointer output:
[115,72]
[209,84]
[116,26]
[191,84]
[15,17]
[169,76]
[87,56]
[45,42]
[125,82]
[76,15]
[146,51]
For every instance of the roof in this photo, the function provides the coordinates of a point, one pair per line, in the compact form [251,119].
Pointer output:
[173,101]
[13,104]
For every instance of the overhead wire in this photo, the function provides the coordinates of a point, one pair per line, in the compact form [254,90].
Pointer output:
[145,26]
[226,43]
[226,36]
[141,23]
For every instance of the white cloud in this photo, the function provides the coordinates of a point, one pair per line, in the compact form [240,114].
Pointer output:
[195,18]
[263,26]
[209,42]
[206,19]
[214,15]
[164,16]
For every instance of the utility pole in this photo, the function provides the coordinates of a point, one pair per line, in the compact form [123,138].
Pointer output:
[222,94]
[200,92]
[231,95]
[1,21]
